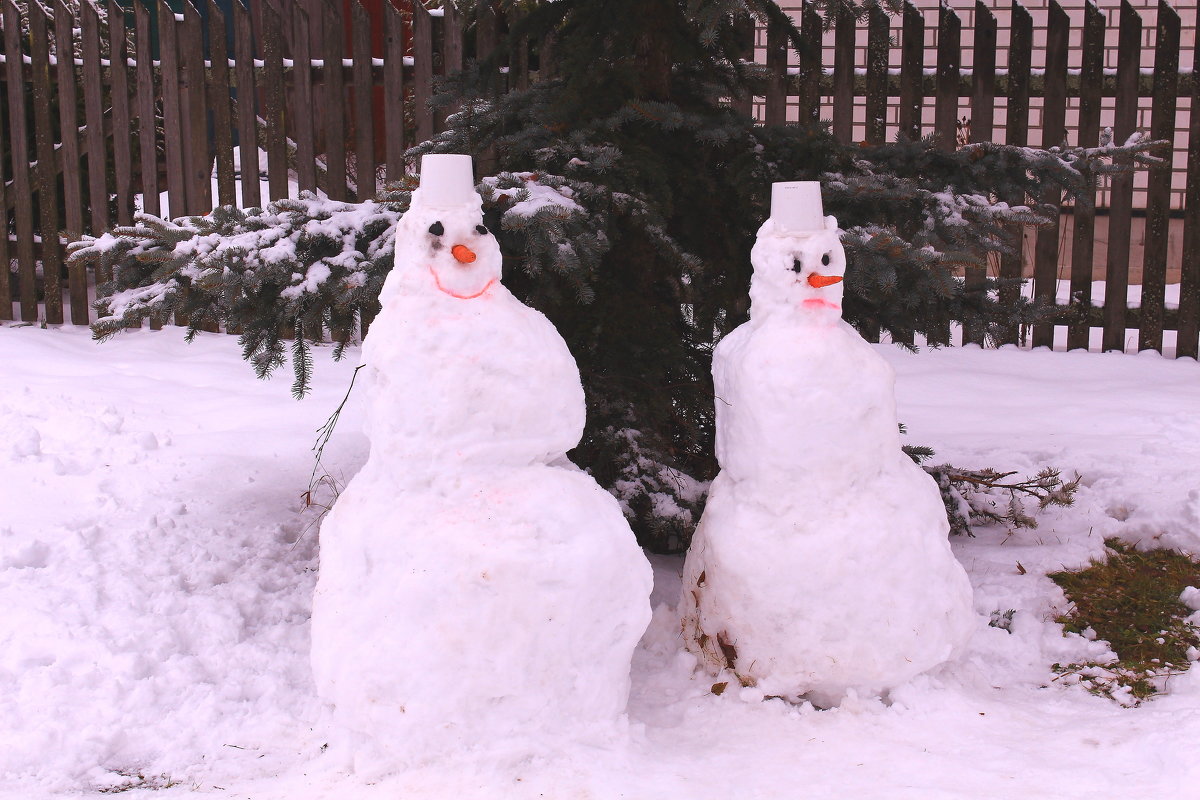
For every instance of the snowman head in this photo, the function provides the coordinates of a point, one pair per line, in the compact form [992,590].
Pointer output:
[442,245]
[798,258]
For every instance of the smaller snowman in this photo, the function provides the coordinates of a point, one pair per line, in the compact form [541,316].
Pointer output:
[821,564]
[479,596]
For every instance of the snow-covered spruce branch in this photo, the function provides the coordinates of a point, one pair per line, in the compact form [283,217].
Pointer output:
[985,496]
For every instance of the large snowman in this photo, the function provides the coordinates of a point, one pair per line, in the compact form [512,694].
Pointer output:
[477,592]
[821,562]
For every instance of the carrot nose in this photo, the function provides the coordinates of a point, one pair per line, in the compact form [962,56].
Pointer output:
[817,281]
[462,253]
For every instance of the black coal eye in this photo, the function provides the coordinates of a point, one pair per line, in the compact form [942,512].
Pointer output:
[436,229]
[825,260]
[482,231]
[797,267]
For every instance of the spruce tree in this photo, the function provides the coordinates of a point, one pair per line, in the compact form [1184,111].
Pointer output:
[642,261]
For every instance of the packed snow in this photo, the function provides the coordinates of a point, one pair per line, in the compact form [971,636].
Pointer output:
[157,567]
[478,595]
[821,565]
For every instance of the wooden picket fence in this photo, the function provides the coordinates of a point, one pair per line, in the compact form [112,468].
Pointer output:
[84,136]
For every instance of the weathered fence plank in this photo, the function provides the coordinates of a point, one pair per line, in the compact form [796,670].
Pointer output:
[1016,133]
[6,298]
[982,122]
[273,102]
[43,131]
[147,115]
[1188,336]
[912,67]
[364,120]
[122,126]
[775,100]
[173,143]
[810,73]
[1116,281]
[843,77]
[1054,114]
[335,103]
[193,96]
[949,54]
[19,146]
[218,103]
[393,85]
[422,76]
[302,93]
[247,119]
[878,45]
[1083,236]
[1158,194]
[93,99]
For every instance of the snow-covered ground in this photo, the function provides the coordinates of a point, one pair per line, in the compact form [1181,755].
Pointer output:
[157,566]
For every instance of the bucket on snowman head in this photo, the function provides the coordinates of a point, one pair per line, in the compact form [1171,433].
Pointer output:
[796,207]
[447,181]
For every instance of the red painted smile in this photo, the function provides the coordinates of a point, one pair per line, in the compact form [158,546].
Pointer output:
[818,302]
[453,293]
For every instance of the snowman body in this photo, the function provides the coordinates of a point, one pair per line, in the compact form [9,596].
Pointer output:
[821,563]
[477,592]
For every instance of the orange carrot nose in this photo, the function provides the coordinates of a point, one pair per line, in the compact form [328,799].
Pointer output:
[464,254]
[817,281]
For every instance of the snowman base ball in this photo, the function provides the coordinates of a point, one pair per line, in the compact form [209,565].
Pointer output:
[477,616]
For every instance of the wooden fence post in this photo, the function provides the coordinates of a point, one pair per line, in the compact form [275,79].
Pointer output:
[912,69]
[775,100]
[218,104]
[122,126]
[422,74]
[393,84]
[811,72]
[1016,133]
[1054,114]
[47,193]
[173,144]
[843,77]
[335,103]
[1158,194]
[1116,280]
[982,122]
[1091,78]
[277,163]
[247,94]
[1188,338]
[147,115]
[364,90]
[949,54]
[19,146]
[878,46]
[193,99]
